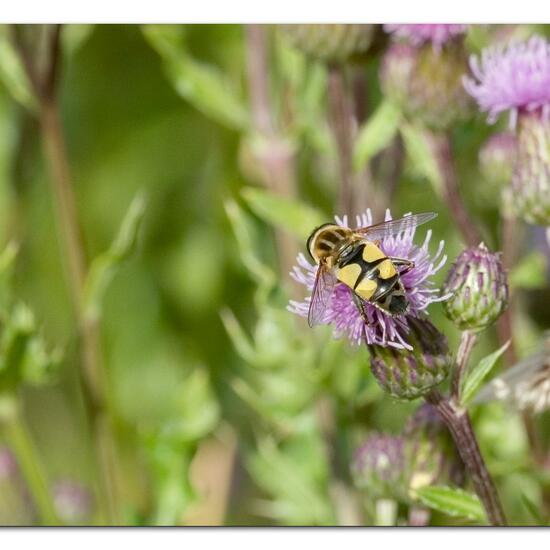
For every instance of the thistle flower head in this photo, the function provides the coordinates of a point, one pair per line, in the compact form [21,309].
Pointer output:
[437,34]
[330,43]
[379,466]
[409,374]
[382,329]
[478,289]
[426,83]
[73,502]
[512,78]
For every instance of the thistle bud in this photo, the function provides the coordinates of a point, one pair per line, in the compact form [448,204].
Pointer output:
[530,190]
[426,82]
[380,467]
[478,289]
[330,43]
[496,158]
[408,374]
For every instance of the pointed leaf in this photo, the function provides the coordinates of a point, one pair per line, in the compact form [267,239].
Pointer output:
[202,85]
[376,133]
[291,215]
[475,376]
[104,267]
[453,502]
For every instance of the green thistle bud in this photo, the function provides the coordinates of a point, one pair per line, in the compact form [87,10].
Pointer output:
[408,374]
[478,289]
[426,82]
[530,189]
[330,43]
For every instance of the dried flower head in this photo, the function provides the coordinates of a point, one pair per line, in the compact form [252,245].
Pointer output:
[426,83]
[330,43]
[512,78]
[478,289]
[436,34]
[382,329]
[526,385]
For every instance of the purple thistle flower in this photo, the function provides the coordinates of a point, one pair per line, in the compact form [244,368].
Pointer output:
[512,78]
[417,35]
[383,329]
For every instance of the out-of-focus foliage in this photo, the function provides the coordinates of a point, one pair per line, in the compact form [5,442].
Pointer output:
[189,284]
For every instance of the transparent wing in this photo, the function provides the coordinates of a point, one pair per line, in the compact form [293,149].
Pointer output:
[394,227]
[325,282]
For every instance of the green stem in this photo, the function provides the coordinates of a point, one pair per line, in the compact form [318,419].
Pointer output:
[20,441]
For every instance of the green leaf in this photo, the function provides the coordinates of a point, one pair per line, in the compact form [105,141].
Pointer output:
[291,215]
[530,272]
[420,154]
[475,376]
[12,73]
[105,266]
[376,133]
[453,502]
[202,85]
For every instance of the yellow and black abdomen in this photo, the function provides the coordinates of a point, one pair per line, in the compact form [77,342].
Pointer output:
[373,277]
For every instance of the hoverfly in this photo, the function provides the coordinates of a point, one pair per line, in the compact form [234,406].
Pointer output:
[353,257]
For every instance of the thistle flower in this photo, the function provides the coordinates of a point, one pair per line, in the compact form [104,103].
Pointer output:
[516,79]
[411,374]
[73,502]
[382,329]
[437,34]
[380,467]
[330,43]
[478,289]
[426,82]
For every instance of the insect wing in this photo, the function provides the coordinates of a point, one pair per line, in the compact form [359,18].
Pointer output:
[394,227]
[324,285]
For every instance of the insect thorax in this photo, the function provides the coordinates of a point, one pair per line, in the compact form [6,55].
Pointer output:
[328,241]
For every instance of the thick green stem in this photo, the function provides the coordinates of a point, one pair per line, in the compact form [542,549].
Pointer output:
[20,442]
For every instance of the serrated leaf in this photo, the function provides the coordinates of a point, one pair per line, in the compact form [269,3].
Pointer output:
[104,267]
[202,85]
[453,502]
[475,376]
[376,133]
[530,272]
[420,154]
[291,215]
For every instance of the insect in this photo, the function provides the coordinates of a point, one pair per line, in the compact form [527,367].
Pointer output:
[353,257]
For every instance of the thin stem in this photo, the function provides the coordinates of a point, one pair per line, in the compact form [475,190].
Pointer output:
[467,343]
[44,81]
[29,461]
[275,154]
[451,193]
[341,117]
[458,422]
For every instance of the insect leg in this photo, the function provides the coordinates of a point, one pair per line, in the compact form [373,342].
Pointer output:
[361,307]
[403,262]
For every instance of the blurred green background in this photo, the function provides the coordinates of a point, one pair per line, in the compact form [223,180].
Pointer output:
[222,402]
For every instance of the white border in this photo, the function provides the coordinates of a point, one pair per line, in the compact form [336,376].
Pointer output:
[288,11]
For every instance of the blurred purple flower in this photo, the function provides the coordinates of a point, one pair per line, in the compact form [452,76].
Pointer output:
[512,78]
[383,329]
[8,464]
[417,35]
[73,502]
